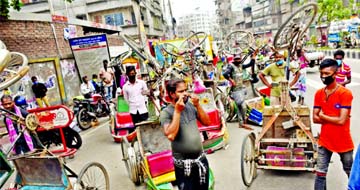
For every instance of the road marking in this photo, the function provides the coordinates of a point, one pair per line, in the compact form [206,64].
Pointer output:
[355,75]
[314,84]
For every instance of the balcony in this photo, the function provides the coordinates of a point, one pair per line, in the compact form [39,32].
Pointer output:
[37,6]
[94,1]
[101,5]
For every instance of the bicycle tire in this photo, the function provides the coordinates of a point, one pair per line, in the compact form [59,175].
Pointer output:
[249,34]
[80,182]
[197,45]
[278,34]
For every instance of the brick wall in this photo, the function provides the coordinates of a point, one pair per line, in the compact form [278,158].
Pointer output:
[36,38]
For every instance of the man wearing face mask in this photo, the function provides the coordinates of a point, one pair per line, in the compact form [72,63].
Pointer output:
[343,74]
[332,108]
[277,73]
[240,79]
[134,90]
[180,127]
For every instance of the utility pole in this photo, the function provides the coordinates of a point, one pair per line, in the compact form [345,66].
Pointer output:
[172,19]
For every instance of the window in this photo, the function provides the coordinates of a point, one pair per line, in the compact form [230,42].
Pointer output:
[114,19]
[133,18]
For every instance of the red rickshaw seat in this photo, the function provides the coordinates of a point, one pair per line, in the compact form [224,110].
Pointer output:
[215,121]
[124,121]
[160,163]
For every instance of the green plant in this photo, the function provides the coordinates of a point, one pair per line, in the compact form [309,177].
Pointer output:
[15,4]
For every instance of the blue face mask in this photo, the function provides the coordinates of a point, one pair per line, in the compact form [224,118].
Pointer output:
[339,61]
[280,62]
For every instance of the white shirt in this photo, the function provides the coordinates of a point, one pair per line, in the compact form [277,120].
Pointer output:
[133,95]
[86,88]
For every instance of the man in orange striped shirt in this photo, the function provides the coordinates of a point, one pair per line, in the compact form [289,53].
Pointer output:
[343,74]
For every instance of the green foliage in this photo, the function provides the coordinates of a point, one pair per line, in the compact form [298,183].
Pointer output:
[5,6]
[331,10]
[313,40]
[15,4]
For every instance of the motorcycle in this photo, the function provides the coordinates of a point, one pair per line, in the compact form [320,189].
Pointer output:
[49,137]
[88,110]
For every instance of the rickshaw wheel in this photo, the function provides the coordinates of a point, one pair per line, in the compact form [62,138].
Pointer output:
[230,109]
[130,160]
[302,18]
[247,162]
[93,176]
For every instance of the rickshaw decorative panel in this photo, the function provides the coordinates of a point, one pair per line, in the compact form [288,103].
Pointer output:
[40,171]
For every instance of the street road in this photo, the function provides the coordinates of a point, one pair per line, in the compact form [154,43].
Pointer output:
[98,146]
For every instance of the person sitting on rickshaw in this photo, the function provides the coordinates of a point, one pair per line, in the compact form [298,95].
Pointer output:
[134,90]
[26,142]
[87,88]
[239,78]
[277,73]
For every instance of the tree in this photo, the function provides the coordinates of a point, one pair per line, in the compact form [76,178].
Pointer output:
[333,10]
[5,5]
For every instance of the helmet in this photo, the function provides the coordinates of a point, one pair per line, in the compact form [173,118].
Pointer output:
[20,101]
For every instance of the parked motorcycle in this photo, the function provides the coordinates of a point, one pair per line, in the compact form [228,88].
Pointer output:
[47,138]
[88,110]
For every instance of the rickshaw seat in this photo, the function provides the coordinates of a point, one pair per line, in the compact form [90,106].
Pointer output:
[160,163]
[44,173]
[215,121]
[124,121]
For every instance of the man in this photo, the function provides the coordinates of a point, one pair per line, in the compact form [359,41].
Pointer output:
[40,91]
[25,142]
[332,107]
[86,87]
[95,83]
[277,73]
[180,127]
[343,74]
[240,80]
[107,76]
[134,91]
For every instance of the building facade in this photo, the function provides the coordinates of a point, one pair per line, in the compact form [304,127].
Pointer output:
[109,12]
[199,21]
[263,17]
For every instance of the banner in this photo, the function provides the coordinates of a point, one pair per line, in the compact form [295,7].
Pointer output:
[89,53]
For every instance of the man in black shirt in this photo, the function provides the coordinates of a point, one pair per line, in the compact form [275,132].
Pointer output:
[39,90]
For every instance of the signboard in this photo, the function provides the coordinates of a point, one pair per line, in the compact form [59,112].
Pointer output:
[89,53]
[59,18]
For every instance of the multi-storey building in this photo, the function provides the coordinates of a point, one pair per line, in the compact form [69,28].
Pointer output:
[110,12]
[258,16]
[199,21]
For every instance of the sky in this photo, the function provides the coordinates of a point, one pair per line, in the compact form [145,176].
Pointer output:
[184,7]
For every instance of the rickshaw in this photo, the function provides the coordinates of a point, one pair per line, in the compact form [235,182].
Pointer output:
[148,156]
[40,169]
[285,141]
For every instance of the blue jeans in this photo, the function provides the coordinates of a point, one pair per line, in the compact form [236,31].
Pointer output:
[323,160]
[108,92]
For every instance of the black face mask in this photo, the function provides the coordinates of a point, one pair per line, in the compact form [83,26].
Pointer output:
[327,80]
[236,63]
[132,78]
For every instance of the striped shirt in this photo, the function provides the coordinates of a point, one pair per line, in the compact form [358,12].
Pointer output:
[343,72]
